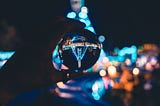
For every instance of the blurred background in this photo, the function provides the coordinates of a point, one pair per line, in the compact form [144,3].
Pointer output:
[127,72]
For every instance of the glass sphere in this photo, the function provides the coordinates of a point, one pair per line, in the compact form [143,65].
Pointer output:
[79,50]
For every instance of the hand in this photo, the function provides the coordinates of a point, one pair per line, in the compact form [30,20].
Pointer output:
[31,66]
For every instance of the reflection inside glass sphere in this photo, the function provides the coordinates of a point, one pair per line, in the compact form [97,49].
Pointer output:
[79,50]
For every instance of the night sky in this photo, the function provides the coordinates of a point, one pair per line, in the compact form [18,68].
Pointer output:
[127,22]
[123,22]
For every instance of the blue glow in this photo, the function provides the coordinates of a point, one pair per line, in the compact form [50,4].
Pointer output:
[134,57]
[111,58]
[55,52]
[58,61]
[71,15]
[98,89]
[95,96]
[87,22]
[128,51]
[82,15]
[121,58]
[125,48]
[6,55]
[121,53]
[79,53]
[101,38]
[76,71]
[91,29]
[134,47]
[82,20]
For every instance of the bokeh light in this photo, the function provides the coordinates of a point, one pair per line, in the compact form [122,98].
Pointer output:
[136,71]
[71,15]
[112,71]
[84,9]
[102,73]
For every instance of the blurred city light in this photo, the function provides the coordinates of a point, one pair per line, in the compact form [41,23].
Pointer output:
[95,87]
[101,38]
[71,15]
[143,60]
[6,55]
[123,74]
[147,86]
[98,89]
[128,62]
[86,21]
[96,96]
[136,71]
[112,71]
[148,67]
[105,60]
[63,94]
[153,60]
[102,73]
[61,85]
[84,9]
[108,83]
[82,15]
[91,29]
[80,12]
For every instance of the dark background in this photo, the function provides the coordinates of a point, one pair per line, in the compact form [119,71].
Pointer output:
[127,22]
[123,22]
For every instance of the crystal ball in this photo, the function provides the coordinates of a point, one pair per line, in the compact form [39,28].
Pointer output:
[79,50]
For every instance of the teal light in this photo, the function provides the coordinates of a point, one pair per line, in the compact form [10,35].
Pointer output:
[55,52]
[71,15]
[120,58]
[134,47]
[91,29]
[121,52]
[96,96]
[82,15]
[6,55]
[101,38]
[82,20]
[98,89]
[87,22]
